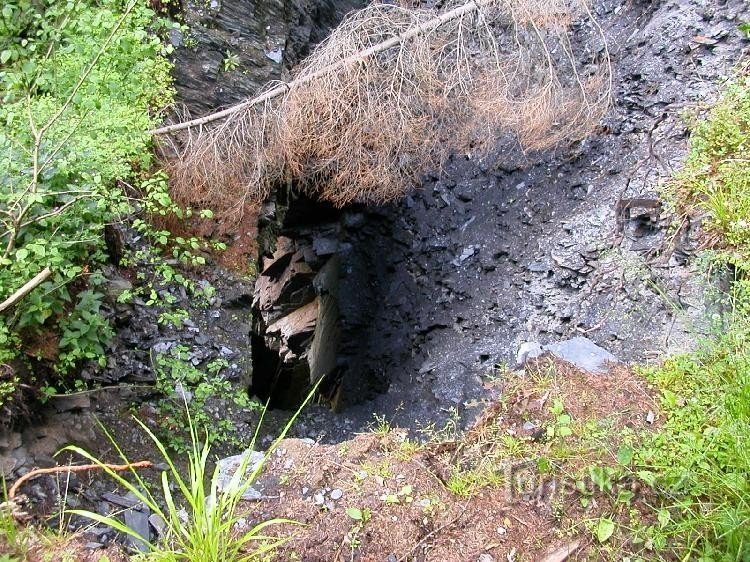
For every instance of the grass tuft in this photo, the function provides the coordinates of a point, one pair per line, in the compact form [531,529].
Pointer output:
[202,522]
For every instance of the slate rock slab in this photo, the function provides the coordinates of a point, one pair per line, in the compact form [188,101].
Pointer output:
[583,353]
[579,351]
[230,465]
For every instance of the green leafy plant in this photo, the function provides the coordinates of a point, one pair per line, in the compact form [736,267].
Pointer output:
[13,537]
[699,462]
[81,84]
[360,518]
[562,422]
[231,61]
[176,377]
[716,175]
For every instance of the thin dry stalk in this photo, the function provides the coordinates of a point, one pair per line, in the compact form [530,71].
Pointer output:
[366,131]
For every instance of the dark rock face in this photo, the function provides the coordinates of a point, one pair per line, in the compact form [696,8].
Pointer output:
[319,287]
[262,39]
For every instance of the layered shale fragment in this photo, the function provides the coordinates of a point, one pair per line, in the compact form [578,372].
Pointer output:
[296,323]
[321,278]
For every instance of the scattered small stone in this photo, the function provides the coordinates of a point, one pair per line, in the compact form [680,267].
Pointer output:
[319,499]
[224,351]
[305,489]
[157,523]
[650,417]
[276,55]
[467,252]
[93,545]
[336,494]
[484,557]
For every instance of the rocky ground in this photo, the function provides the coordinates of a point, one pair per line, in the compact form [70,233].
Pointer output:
[494,252]
[491,256]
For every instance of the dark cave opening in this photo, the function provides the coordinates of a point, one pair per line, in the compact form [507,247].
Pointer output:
[321,273]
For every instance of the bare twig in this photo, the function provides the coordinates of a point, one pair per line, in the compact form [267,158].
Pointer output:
[78,468]
[433,533]
[60,210]
[26,289]
[353,59]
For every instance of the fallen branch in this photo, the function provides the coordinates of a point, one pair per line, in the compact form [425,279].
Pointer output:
[79,468]
[430,25]
[26,289]
[389,95]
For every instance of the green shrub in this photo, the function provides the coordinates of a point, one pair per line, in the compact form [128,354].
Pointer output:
[81,83]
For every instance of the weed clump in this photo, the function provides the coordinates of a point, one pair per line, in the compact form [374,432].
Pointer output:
[716,176]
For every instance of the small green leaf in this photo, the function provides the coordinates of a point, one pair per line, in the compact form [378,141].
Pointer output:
[664,517]
[625,455]
[564,431]
[5,56]
[354,513]
[604,529]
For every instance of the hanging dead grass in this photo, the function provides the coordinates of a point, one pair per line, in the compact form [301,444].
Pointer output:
[390,93]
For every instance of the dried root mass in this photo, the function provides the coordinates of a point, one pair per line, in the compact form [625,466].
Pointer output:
[392,91]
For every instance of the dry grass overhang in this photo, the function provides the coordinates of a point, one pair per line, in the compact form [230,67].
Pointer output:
[390,93]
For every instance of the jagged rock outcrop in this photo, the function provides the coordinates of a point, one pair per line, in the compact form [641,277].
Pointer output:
[233,47]
[320,279]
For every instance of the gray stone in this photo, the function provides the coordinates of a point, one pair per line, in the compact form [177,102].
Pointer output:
[325,246]
[583,353]
[336,494]
[7,465]
[11,440]
[276,55]
[137,519]
[157,523]
[117,286]
[466,253]
[528,350]
[71,402]
[229,466]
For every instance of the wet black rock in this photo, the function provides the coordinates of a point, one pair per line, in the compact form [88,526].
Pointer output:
[233,47]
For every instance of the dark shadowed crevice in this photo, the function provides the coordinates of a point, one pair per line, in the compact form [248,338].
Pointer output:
[321,277]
